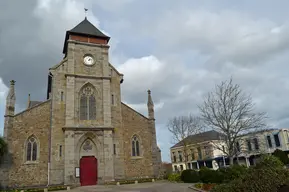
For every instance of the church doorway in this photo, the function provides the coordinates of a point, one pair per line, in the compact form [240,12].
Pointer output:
[88,170]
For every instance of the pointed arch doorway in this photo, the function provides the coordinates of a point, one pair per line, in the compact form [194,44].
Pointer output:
[88,163]
[88,170]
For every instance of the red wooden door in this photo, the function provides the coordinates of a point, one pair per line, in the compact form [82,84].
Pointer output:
[88,171]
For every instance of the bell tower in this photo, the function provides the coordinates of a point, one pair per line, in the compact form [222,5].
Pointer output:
[82,82]
[86,50]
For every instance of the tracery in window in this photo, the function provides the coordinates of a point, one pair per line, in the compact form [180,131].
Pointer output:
[87,103]
[31,149]
[135,146]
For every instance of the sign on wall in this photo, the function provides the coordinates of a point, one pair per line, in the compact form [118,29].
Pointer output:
[76,172]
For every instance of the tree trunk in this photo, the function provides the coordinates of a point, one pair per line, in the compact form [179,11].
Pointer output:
[231,160]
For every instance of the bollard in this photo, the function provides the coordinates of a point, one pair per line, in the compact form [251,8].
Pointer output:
[45,190]
[136,182]
[153,180]
[68,188]
[117,183]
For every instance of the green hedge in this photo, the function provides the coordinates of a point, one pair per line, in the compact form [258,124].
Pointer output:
[210,176]
[267,176]
[206,175]
[190,176]
[233,172]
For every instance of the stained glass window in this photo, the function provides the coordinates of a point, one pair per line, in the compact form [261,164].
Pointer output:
[87,104]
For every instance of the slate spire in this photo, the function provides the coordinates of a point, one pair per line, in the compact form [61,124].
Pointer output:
[85,30]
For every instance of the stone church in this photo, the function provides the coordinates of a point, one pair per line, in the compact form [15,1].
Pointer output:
[82,134]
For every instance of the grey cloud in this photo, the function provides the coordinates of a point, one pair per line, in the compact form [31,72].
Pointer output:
[187,58]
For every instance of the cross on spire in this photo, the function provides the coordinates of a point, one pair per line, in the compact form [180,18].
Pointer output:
[85,10]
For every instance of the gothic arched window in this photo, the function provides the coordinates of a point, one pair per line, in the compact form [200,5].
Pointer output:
[31,149]
[87,104]
[135,146]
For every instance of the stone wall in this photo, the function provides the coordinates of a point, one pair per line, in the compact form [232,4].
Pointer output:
[58,121]
[116,121]
[34,121]
[136,124]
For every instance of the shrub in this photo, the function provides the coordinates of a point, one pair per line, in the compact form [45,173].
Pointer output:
[210,176]
[208,186]
[282,156]
[266,176]
[3,147]
[190,176]
[174,177]
[199,185]
[233,172]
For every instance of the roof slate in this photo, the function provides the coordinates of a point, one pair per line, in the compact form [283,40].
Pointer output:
[201,137]
[87,28]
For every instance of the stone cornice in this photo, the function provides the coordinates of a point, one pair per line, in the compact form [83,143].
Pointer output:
[84,128]
[88,44]
[86,76]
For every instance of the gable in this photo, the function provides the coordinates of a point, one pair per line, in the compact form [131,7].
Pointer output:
[127,110]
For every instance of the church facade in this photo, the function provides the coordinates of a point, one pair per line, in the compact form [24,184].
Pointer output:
[82,134]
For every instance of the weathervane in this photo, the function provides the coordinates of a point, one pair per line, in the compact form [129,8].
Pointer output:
[85,10]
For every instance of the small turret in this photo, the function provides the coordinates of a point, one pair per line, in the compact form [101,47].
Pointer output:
[150,105]
[29,100]
[10,100]
[10,109]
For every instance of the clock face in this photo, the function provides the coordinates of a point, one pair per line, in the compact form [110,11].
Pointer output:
[88,60]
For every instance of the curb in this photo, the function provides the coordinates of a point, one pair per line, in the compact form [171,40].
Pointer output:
[196,189]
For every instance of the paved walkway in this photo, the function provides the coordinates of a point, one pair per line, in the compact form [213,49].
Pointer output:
[141,187]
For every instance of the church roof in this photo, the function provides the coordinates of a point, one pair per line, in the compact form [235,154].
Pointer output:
[87,28]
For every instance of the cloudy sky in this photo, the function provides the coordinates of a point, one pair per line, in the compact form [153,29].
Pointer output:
[178,49]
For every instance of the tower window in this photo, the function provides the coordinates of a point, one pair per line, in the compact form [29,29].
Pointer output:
[87,104]
[114,149]
[60,150]
[61,96]
[112,99]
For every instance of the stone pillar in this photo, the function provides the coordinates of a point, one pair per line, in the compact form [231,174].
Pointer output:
[106,103]
[108,156]
[69,158]
[247,162]
[70,97]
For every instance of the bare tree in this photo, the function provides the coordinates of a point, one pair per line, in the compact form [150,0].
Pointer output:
[181,128]
[230,112]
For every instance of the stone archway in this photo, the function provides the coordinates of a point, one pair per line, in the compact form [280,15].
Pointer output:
[88,161]
[88,148]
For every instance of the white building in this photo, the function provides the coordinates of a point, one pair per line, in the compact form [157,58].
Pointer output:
[252,145]
[203,149]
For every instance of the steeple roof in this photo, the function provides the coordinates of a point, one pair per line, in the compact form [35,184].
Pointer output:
[87,28]
[84,28]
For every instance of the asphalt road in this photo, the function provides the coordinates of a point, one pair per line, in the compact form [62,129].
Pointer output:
[141,187]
